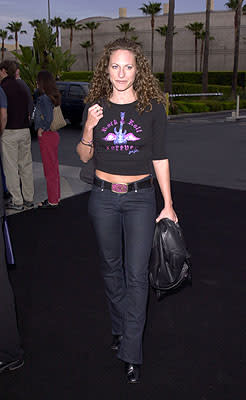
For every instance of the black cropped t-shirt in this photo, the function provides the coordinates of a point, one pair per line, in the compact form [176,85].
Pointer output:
[126,142]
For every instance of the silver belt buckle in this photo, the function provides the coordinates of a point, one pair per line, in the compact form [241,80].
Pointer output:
[119,188]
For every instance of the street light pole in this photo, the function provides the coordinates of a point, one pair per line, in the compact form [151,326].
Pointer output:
[48,11]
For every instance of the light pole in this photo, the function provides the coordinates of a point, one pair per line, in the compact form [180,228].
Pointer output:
[48,11]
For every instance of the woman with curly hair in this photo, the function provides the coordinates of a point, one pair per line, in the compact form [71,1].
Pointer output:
[124,130]
[48,140]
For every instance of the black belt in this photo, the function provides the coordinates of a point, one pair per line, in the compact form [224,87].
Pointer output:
[124,187]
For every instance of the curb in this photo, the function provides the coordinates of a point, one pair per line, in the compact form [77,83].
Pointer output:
[204,114]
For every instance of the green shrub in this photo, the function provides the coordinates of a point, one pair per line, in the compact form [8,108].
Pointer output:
[186,107]
[242,103]
[194,106]
[214,78]
[159,76]
[229,105]
[180,79]
[225,78]
[189,77]
[186,88]
[178,108]
[220,78]
[215,106]
[186,104]
[84,76]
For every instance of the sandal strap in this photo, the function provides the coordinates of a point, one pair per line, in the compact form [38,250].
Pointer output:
[46,204]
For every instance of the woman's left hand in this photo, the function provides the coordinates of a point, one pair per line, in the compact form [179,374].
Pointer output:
[167,212]
[40,131]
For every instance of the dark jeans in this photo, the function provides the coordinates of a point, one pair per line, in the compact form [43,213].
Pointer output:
[10,348]
[124,225]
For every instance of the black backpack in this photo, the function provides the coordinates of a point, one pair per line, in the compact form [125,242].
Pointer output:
[170,264]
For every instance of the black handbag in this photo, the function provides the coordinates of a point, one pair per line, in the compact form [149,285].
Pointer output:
[87,171]
[170,264]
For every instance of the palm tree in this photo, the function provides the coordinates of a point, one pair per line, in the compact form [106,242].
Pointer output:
[206,50]
[43,55]
[162,30]
[56,22]
[151,9]
[34,23]
[71,24]
[4,36]
[169,49]
[92,26]
[44,40]
[195,28]
[202,51]
[85,46]
[134,38]
[15,27]
[202,38]
[125,28]
[235,5]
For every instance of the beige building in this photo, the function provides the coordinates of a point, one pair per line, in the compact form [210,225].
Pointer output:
[9,47]
[221,48]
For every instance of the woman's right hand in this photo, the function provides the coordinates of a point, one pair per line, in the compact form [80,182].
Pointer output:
[95,113]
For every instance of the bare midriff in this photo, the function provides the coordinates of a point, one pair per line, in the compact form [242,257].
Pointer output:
[119,178]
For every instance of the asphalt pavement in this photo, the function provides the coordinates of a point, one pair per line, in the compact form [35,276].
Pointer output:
[205,149]
[208,149]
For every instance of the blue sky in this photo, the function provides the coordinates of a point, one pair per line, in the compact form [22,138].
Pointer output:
[26,10]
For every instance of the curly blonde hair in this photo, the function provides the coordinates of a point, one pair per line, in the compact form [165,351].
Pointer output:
[146,86]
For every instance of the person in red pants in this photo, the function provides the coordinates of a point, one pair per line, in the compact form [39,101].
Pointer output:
[48,140]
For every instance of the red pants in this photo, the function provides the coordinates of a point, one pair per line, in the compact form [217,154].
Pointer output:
[48,143]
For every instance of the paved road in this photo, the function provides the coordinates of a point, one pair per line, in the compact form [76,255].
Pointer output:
[205,149]
[208,150]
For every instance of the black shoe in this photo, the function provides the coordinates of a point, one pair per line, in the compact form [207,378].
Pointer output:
[12,206]
[116,342]
[28,204]
[46,204]
[132,373]
[11,365]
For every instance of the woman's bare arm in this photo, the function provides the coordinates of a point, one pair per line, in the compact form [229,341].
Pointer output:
[163,176]
[3,119]
[85,146]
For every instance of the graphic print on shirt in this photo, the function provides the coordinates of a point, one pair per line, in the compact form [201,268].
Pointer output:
[120,137]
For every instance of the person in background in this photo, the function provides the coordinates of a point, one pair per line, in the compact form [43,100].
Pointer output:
[124,130]
[16,141]
[11,352]
[48,140]
[3,110]
[3,121]
[26,87]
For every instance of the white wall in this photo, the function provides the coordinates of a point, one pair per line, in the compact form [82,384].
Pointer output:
[221,49]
